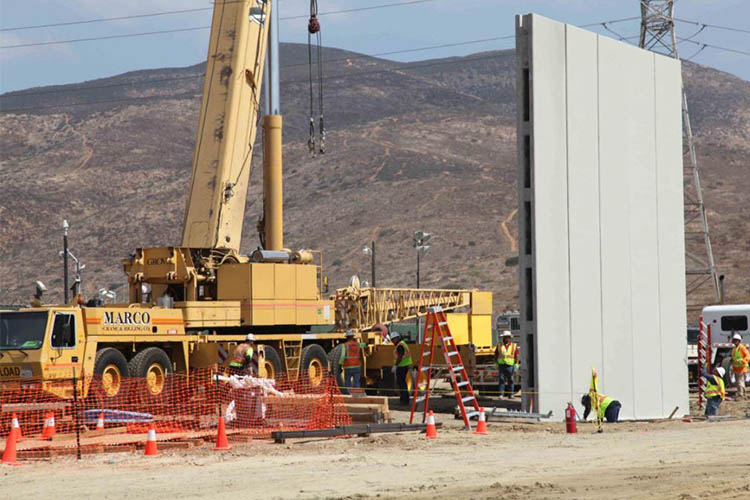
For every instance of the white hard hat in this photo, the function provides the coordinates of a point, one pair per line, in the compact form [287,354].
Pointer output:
[395,335]
[506,333]
[250,336]
[720,371]
[737,336]
[349,333]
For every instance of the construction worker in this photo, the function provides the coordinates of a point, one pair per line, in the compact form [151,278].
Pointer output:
[608,408]
[350,361]
[245,357]
[402,364]
[506,359]
[714,390]
[740,360]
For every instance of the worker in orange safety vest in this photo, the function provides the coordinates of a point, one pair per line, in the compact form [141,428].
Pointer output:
[740,360]
[245,357]
[350,361]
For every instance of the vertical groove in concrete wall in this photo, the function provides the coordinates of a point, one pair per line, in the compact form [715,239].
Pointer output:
[600,194]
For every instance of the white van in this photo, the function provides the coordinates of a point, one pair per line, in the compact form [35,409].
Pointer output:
[722,322]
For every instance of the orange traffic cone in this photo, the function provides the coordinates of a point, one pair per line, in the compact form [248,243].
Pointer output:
[151,442]
[481,424]
[14,427]
[431,429]
[100,422]
[49,430]
[9,455]
[222,443]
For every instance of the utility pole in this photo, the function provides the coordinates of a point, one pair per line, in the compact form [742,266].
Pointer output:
[370,251]
[658,35]
[65,260]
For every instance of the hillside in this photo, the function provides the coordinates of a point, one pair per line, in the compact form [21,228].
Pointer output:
[428,146]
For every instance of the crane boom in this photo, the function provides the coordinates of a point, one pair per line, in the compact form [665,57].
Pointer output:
[228,124]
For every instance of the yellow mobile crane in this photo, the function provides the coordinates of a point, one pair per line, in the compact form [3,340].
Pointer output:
[190,304]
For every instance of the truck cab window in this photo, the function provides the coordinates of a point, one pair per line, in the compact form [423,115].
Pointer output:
[64,331]
[734,323]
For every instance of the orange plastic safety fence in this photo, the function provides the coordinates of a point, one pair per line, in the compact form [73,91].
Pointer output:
[115,415]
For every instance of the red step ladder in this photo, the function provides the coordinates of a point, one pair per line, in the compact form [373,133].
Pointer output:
[437,335]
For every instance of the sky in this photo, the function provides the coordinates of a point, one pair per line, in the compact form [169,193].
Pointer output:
[421,24]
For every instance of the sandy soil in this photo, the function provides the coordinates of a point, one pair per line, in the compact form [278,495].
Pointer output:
[675,459]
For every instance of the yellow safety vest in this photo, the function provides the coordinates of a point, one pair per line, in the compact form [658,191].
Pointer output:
[406,360]
[739,355]
[507,356]
[715,390]
[604,402]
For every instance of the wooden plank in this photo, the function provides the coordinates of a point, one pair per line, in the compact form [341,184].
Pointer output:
[383,400]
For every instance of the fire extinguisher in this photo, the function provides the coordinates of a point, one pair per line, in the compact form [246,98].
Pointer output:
[570,419]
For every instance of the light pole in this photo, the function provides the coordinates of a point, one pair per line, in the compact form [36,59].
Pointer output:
[79,267]
[419,239]
[371,252]
[65,260]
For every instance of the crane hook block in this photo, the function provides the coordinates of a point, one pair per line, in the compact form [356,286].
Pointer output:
[313,26]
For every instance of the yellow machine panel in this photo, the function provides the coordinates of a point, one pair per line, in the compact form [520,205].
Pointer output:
[234,281]
[459,327]
[263,281]
[481,330]
[211,314]
[307,283]
[285,281]
[481,302]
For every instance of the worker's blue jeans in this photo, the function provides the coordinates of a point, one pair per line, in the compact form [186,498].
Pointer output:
[352,376]
[505,376]
[712,406]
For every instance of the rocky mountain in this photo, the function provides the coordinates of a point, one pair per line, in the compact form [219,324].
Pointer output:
[411,146]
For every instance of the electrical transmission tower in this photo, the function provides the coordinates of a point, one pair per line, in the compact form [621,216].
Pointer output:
[658,35]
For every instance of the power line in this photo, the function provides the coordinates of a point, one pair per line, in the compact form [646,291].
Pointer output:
[287,82]
[716,26]
[91,39]
[717,47]
[339,59]
[105,19]
[185,11]
[360,9]
[613,21]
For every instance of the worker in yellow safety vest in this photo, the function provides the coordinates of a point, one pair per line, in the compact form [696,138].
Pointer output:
[350,361]
[402,364]
[740,360]
[714,390]
[608,408]
[506,359]
[245,358]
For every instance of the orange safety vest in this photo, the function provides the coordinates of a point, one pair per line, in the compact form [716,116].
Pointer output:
[243,356]
[740,358]
[351,350]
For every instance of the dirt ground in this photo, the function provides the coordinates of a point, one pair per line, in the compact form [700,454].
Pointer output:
[675,459]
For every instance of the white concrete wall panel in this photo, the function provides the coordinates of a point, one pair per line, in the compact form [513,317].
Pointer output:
[617,339]
[671,234]
[583,208]
[550,218]
[608,222]
[640,134]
